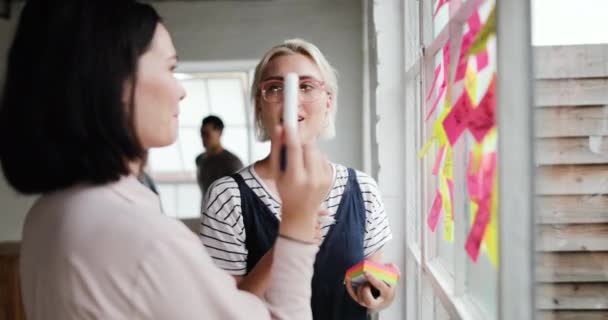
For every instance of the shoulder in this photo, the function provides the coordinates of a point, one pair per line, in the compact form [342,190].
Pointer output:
[365,181]
[222,184]
[230,155]
[199,158]
[75,220]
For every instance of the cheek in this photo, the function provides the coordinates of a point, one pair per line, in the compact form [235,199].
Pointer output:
[154,112]
[269,113]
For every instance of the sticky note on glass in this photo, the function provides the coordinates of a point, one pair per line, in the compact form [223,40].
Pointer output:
[382,272]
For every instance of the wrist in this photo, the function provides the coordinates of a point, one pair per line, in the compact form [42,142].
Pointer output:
[300,229]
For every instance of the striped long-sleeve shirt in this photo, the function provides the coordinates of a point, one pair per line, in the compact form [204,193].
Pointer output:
[223,232]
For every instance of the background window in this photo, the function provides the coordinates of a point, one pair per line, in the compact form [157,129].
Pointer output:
[224,94]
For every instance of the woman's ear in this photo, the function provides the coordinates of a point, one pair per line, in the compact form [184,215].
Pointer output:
[258,108]
[127,92]
[330,102]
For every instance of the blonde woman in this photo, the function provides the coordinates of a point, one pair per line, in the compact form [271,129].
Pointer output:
[240,221]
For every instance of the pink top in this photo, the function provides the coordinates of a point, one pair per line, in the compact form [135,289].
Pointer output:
[107,252]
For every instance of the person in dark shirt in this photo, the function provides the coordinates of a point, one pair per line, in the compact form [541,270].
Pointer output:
[215,162]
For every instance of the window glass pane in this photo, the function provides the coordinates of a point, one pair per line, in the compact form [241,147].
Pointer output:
[194,107]
[441,15]
[235,140]
[227,98]
[438,169]
[482,260]
[173,167]
[188,201]
[259,149]
[168,199]
[191,146]
[165,159]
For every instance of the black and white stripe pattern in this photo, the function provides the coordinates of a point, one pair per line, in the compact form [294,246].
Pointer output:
[223,233]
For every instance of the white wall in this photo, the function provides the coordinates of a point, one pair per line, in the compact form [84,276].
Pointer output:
[12,206]
[387,86]
[232,30]
[245,30]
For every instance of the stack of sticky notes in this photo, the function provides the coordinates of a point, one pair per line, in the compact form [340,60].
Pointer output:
[387,274]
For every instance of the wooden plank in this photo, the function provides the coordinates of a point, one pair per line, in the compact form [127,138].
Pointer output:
[573,315]
[572,267]
[572,209]
[582,61]
[9,248]
[572,121]
[10,290]
[573,237]
[572,180]
[571,92]
[567,151]
[564,296]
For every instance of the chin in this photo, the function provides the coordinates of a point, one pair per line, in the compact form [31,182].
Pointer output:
[160,142]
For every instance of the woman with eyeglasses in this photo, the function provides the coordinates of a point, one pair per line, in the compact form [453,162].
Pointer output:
[239,223]
[89,89]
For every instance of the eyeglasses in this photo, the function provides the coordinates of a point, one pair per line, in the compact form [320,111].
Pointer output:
[310,90]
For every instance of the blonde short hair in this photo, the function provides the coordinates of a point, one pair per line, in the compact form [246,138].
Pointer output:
[329,74]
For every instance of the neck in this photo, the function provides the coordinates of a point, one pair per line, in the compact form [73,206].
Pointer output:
[215,150]
[135,167]
[262,167]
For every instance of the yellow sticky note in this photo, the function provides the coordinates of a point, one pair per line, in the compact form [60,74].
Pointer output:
[491,236]
[490,142]
[470,84]
[481,40]
[448,223]
[477,153]
[448,164]
[438,130]
[473,211]
[426,147]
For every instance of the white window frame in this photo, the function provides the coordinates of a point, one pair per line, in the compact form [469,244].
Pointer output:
[515,274]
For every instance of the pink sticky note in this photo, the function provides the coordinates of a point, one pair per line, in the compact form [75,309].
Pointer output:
[435,212]
[438,160]
[473,186]
[474,22]
[480,184]
[436,103]
[446,59]
[463,59]
[456,121]
[478,229]
[488,169]
[482,60]
[483,118]
[435,78]
[439,5]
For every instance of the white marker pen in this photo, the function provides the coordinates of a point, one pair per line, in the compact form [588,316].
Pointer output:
[291,82]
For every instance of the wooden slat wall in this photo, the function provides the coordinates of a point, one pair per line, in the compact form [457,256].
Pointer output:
[11,307]
[572,182]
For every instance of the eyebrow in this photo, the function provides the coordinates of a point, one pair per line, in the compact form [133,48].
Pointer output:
[281,78]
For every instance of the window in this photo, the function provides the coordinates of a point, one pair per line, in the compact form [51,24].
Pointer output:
[448,148]
[210,91]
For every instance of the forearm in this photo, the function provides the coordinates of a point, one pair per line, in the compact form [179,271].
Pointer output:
[257,281]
